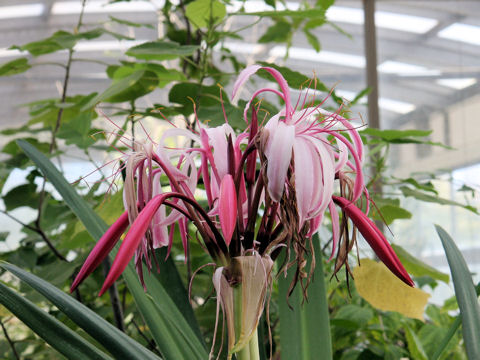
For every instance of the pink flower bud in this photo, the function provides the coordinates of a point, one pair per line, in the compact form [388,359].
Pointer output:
[227,207]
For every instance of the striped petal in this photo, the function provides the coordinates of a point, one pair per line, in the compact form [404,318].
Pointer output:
[279,154]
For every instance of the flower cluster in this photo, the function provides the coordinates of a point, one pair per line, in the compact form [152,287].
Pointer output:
[267,190]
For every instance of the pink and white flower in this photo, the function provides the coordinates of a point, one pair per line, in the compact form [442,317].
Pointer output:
[267,188]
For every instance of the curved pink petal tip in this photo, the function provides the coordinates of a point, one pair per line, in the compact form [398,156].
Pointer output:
[375,239]
[132,240]
[101,249]
[243,77]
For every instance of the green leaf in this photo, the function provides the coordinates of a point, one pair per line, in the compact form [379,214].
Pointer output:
[205,13]
[415,347]
[116,342]
[356,314]
[389,210]
[171,281]
[304,14]
[427,186]
[164,75]
[96,227]
[59,336]
[57,272]
[465,293]
[161,50]
[47,111]
[3,235]
[185,339]
[325,4]
[78,130]
[208,104]
[305,329]
[466,188]
[442,345]
[23,195]
[279,32]
[13,67]
[402,136]
[312,40]
[434,199]
[60,40]
[126,87]
[130,23]
[417,267]
[391,135]
[163,321]
[360,96]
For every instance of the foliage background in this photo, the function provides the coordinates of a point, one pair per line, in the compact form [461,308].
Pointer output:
[164,78]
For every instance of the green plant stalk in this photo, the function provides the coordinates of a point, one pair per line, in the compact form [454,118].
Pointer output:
[253,345]
[251,350]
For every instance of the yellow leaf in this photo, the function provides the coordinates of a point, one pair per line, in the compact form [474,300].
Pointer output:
[384,291]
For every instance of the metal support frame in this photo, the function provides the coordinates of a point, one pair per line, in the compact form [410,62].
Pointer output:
[371,62]
[372,82]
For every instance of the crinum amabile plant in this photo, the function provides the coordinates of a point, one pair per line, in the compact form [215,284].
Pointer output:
[267,189]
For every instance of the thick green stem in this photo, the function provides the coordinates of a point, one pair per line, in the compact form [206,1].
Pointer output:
[251,350]
[253,345]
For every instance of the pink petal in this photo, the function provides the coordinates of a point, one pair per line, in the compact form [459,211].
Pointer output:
[375,239]
[243,77]
[327,162]
[279,155]
[102,249]
[227,207]
[132,240]
[160,230]
[249,71]
[218,140]
[306,179]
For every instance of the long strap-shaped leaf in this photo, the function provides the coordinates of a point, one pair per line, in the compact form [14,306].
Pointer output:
[171,282]
[163,328]
[465,293]
[442,345]
[116,342]
[59,336]
[96,227]
[305,329]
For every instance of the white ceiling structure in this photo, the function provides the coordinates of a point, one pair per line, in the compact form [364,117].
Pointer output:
[428,51]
